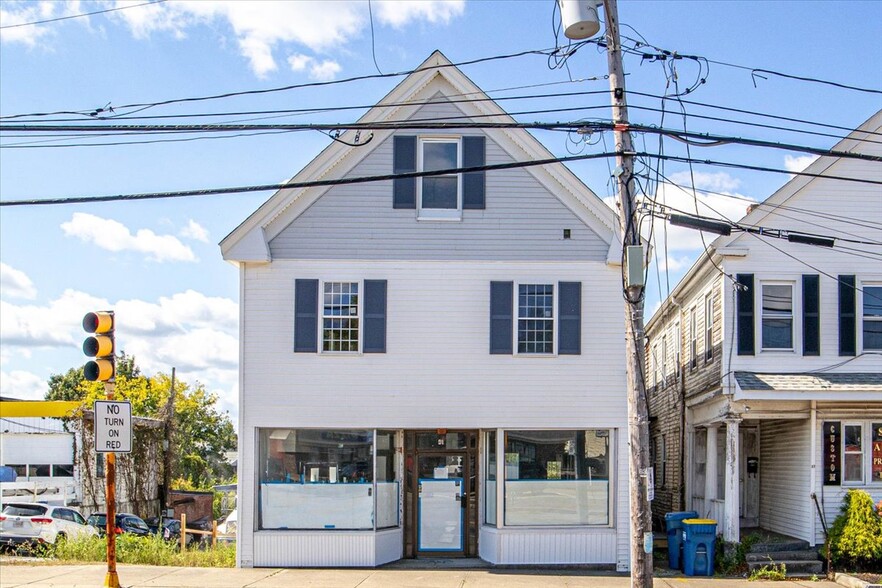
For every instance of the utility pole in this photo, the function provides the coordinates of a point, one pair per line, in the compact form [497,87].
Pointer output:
[111,579]
[638,411]
[167,446]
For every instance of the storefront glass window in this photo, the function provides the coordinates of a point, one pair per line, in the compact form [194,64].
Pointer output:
[387,480]
[490,479]
[317,479]
[557,477]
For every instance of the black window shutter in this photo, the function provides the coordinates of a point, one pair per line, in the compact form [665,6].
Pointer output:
[847,326]
[744,305]
[501,320]
[305,316]
[473,182]
[811,315]
[569,308]
[404,160]
[374,316]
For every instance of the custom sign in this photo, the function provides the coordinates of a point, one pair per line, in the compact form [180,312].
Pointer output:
[832,439]
[877,453]
[113,427]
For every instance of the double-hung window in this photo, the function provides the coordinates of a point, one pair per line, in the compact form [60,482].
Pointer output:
[709,327]
[678,344]
[439,196]
[536,318]
[854,454]
[777,317]
[340,317]
[872,317]
[664,360]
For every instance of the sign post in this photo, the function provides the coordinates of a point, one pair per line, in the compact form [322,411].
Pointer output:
[113,434]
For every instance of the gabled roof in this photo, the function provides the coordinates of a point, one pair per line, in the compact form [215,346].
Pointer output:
[249,242]
[756,217]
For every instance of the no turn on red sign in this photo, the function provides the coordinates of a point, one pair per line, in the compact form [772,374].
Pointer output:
[113,427]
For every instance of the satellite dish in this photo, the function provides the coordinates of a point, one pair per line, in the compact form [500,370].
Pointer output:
[579,18]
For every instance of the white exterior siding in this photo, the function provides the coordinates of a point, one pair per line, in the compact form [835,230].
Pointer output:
[785,501]
[437,372]
[522,220]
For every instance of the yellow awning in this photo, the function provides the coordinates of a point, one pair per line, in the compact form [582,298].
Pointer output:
[37,408]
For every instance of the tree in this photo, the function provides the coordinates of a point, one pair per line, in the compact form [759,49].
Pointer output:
[202,433]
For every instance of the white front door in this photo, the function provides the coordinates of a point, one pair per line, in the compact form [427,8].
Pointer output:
[748,486]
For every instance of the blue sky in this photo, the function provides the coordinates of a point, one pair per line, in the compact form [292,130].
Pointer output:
[157,262]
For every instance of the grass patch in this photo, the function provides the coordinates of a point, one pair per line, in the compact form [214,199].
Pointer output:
[152,550]
[769,572]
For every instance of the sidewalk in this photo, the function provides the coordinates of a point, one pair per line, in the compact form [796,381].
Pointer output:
[13,575]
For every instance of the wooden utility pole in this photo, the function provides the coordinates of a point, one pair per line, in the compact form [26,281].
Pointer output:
[167,447]
[111,579]
[638,411]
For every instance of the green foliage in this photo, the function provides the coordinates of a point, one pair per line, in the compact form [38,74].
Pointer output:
[775,572]
[151,550]
[856,536]
[731,558]
[201,433]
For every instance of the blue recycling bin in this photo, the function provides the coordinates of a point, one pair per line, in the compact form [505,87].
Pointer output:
[699,536]
[674,527]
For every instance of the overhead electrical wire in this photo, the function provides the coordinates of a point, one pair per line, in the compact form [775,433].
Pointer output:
[81,15]
[146,105]
[365,179]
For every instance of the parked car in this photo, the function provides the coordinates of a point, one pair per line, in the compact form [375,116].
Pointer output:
[31,523]
[171,529]
[125,523]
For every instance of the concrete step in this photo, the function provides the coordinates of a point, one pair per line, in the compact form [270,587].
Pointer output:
[793,568]
[794,545]
[801,555]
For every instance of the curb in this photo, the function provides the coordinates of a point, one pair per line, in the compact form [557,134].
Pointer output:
[852,582]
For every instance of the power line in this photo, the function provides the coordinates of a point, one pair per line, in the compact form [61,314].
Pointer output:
[48,20]
[146,105]
[419,174]
[710,140]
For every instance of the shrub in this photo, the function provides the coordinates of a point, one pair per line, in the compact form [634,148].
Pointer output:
[731,558]
[856,536]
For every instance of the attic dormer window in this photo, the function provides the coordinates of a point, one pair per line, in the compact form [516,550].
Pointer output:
[439,196]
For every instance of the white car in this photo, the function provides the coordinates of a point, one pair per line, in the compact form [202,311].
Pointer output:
[32,523]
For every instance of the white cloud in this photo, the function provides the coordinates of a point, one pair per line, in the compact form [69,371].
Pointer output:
[798,163]
[318,70]
[15,283]
[192,332]
[260,27]
[398,13]
[713,181]
[194,231]
[23,385]
[19,13]
[114,236]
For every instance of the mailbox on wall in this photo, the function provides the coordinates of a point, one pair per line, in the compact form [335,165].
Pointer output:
[752,466]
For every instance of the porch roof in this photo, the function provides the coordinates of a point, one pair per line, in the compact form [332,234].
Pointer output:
[834,383]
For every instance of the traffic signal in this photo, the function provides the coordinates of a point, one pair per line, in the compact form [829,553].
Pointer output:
[100,346]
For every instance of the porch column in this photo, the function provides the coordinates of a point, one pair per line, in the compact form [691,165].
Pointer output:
[732,506]
[710,469]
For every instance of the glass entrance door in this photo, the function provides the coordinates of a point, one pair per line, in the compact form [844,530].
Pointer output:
[440,503]
[441,493]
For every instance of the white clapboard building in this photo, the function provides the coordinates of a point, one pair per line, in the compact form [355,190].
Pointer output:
[432,366]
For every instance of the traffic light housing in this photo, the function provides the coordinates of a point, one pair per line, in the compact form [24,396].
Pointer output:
[100,346]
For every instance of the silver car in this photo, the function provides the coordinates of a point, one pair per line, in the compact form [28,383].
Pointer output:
[25,522]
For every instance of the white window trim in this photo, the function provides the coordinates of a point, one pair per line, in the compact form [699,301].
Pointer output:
[678,351]
[860,313]
[321,321]
[439,214]
[866,453]
[554,319]
[693,338]
[709,326]
[664,360]
[795,311]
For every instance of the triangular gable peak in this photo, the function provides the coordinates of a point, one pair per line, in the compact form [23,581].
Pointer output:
[433,81]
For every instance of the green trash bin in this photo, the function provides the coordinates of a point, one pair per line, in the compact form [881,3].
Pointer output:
[699,536]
